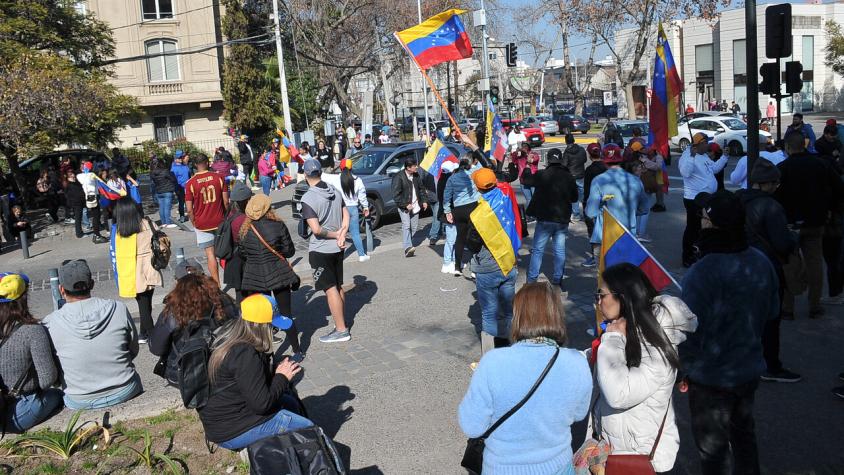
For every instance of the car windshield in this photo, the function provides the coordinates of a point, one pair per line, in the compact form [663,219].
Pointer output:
[517,123]
[626,130]
[366,162]
[734,124]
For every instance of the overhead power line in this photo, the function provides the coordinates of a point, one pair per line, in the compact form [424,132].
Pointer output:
[257,39]
[142,22]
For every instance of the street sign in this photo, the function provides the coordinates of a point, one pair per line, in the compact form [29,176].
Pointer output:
[607,98]
[649,92]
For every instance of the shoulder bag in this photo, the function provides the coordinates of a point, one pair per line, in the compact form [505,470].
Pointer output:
[636,464]
[295,286]
[473,457]
[223,242]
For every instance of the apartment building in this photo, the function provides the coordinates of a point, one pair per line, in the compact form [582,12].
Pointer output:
[180,95]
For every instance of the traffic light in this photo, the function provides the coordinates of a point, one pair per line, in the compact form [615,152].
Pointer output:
[511,52]
[770,84]
[778,31]
[493,95]
[793,80]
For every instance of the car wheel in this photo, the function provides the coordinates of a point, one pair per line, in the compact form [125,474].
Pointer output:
[683,144]
[553,134]
[734,148]
[376,211]
[584,131]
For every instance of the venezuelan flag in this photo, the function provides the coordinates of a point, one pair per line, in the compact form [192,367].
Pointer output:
[124,262]
[618,246]
[436,155]
[667,87]
[496,218]
[496,137]
[436,40]
[107,192]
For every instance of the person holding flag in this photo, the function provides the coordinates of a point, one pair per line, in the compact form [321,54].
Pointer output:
[89,181]
[436,156]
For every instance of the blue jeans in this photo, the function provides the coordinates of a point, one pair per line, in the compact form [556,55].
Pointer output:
[409,223]
[577,208]
[495,295]
[557,232]
[642,221]
[165,204]
[434,232]
[354,229]
[283,421]
[266,184]
[528,192]
[132,389]
[32,409]
[450,239]
[85,221]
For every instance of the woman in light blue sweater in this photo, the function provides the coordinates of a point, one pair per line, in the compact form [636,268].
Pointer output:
[536,439]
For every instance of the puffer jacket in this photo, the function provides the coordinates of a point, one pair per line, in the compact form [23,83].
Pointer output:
[634,400]
[263,270]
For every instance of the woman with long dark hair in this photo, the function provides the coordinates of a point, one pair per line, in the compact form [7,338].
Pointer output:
[195,298]
[27,366]
[248,398]
[323,155]
[354,196]
[636,364]
[266,247]
[131,250]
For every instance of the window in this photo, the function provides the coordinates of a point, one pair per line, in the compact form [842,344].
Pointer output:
[168,128]
[808,58]
[157,9]
[164,67]
[704,60]
[397,161]
[493,56]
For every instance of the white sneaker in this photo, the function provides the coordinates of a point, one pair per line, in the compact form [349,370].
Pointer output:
[171,226]
[363,258]
[448,268]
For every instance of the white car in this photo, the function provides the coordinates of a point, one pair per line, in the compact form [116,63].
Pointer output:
[728,132]
[548,125]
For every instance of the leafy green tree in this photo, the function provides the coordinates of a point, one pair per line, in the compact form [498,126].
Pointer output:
[247,97]
[302,91]
[834,49]
[52,89]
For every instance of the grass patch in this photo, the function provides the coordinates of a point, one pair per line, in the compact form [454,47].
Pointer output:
[167,416]
[51,468]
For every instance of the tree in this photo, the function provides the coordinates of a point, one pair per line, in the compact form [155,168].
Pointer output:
[247,96]
[834,50]
[52,89]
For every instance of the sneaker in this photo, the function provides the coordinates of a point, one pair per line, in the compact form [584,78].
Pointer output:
[839,391]
[171,226]
[837,300]
[409,251]
[432,242]
[298,357]
[142,339]
[99,240]
[336,336]
[183,219]
[448,268]
[591,262]
[645,239]
[69,221]
[363,258]
[658,208]
[781,376]
[472,276]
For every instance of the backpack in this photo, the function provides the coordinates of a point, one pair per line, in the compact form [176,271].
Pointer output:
[302,228]
[223,242]
[193,349]
[303,451]
[160,245]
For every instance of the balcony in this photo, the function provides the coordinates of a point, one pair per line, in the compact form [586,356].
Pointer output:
[164,88]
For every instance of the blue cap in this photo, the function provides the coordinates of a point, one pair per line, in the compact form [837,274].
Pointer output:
[312,167]
[179,154]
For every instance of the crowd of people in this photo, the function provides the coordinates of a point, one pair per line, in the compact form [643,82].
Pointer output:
[715,341]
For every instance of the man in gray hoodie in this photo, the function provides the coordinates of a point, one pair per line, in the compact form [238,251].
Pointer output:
[325,213]
[95,341]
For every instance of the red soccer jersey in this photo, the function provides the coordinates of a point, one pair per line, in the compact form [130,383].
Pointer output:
[205,191]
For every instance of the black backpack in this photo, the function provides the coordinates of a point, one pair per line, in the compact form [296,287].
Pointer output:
[223,241]
[193,349]
[160,245]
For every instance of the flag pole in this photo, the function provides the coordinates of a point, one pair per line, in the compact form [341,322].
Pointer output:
[430,83]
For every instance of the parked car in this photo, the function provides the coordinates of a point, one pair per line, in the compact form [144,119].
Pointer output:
[696,115]
[727,131]
[534,134]
[31,168]
[625,128]
[376,166]
[548,125]
[571,123]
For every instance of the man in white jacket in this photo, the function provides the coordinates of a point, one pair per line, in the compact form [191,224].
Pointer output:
[88,180]
[698,172]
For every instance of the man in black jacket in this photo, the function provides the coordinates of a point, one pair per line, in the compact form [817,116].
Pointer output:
[767,230]
[574,158]
[809,191]
[411,199]
[554,192]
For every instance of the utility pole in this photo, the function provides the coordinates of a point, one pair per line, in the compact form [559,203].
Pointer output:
[424,85]
[485,62]
[752,87]
[282,77]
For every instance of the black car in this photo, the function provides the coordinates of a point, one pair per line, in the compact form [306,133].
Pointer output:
[570,123]
[31,168]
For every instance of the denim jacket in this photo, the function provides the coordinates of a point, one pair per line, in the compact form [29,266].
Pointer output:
[459,191]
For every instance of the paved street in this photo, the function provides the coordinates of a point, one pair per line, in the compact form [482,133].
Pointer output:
[389,397]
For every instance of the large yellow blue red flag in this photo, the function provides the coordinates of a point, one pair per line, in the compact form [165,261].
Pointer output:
[495,140]
[497,220]
[667,87]
[438,39]
[618,245]
[436,156]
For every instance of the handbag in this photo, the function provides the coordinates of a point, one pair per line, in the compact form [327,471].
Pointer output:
[636,464]
[473,457]
[295,286]
[305,451]
[223,241]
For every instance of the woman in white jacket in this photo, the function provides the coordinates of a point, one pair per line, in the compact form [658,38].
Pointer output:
[636,364]
[354,195]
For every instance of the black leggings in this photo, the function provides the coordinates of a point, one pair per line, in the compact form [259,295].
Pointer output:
[692,232]
[144,300]
[461,221]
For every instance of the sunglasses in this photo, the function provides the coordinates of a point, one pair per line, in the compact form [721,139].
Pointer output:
[600,296]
